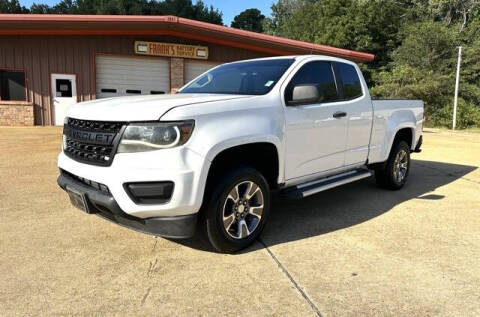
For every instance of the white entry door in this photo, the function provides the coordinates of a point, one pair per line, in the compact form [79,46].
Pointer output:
[64,95]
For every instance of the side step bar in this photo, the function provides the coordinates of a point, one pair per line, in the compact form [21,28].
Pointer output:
[320,185]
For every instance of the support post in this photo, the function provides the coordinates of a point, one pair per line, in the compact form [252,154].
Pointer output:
[455,102]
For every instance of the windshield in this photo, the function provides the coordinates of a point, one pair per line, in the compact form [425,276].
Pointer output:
[243,78]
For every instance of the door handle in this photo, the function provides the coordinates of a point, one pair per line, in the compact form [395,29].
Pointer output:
[339,114]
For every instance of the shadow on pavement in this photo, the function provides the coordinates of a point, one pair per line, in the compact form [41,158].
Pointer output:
[348,205]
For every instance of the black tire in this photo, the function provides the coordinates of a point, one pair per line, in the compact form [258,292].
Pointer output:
[220,202]
[387,176]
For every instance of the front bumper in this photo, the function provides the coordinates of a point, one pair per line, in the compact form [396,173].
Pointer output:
[186,169]
[104,205]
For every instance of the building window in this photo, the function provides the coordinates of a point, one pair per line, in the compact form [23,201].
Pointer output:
[12,85]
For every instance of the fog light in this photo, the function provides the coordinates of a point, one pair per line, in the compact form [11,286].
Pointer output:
[149,193]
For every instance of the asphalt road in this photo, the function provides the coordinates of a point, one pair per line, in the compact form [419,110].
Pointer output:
[354,250]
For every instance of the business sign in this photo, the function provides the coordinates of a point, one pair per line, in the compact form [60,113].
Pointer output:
[171,50]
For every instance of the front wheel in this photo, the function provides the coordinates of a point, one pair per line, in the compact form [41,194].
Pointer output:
[238,210]
[395,173]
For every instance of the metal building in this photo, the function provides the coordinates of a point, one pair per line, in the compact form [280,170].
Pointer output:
[49,62]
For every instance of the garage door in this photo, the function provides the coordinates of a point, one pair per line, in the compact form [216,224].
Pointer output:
[194,68]
[127,76]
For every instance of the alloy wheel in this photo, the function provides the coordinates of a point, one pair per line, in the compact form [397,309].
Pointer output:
[242,210]
[400,166]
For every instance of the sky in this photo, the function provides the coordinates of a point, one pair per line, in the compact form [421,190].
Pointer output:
[229,8]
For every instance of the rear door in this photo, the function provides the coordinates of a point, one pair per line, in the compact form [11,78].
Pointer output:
[358,106]
[315,133]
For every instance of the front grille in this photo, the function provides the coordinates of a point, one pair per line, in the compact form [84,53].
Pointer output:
[92,142]
[98,126]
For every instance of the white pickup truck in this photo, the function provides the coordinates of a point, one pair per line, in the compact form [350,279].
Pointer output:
[203,161]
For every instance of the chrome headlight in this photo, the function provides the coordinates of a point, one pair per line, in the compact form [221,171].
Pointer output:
[142,137]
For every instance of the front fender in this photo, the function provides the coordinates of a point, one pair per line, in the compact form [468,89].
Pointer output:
[223,125]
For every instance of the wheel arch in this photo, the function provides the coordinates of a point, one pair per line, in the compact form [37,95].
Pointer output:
[398,126]
[406,134]
[238,154]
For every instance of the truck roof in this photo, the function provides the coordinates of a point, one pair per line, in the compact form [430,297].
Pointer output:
[298,57]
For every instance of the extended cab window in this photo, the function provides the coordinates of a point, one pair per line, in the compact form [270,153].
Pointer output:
[12,85]
[351,86]
[319,74]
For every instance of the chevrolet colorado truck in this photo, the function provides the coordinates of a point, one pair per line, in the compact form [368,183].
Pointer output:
[203,162]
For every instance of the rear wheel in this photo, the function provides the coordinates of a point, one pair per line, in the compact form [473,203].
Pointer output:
[395,172]
[237,211]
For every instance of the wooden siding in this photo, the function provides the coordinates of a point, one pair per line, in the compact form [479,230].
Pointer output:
[39,56]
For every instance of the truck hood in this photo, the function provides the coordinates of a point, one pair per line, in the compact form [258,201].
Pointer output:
[139,108]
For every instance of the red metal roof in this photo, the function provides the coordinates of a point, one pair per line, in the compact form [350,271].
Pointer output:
[50,24]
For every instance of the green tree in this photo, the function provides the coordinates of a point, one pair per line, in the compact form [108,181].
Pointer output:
[282,11]
[182,8]
[435,89]
[471,64]
[414,42]
[186,9]
[250,20]
[12,6]
[406,81]
[428,46]
[424,68]
[40,9]
[470,73]
[65,7]
[454,11]
[360,25]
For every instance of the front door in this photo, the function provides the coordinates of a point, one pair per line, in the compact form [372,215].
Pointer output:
[64,95]
[315,133]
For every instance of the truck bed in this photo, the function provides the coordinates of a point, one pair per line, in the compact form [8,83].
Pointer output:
[389,113]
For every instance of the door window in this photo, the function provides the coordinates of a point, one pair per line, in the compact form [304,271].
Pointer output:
[315,73]
[63,87]
[351,87]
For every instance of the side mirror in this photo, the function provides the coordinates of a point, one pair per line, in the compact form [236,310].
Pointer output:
[305,94]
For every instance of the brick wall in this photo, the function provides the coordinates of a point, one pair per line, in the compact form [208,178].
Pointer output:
[16,113]
[176,74]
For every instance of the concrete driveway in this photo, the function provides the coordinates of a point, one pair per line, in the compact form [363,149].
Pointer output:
[354,250]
